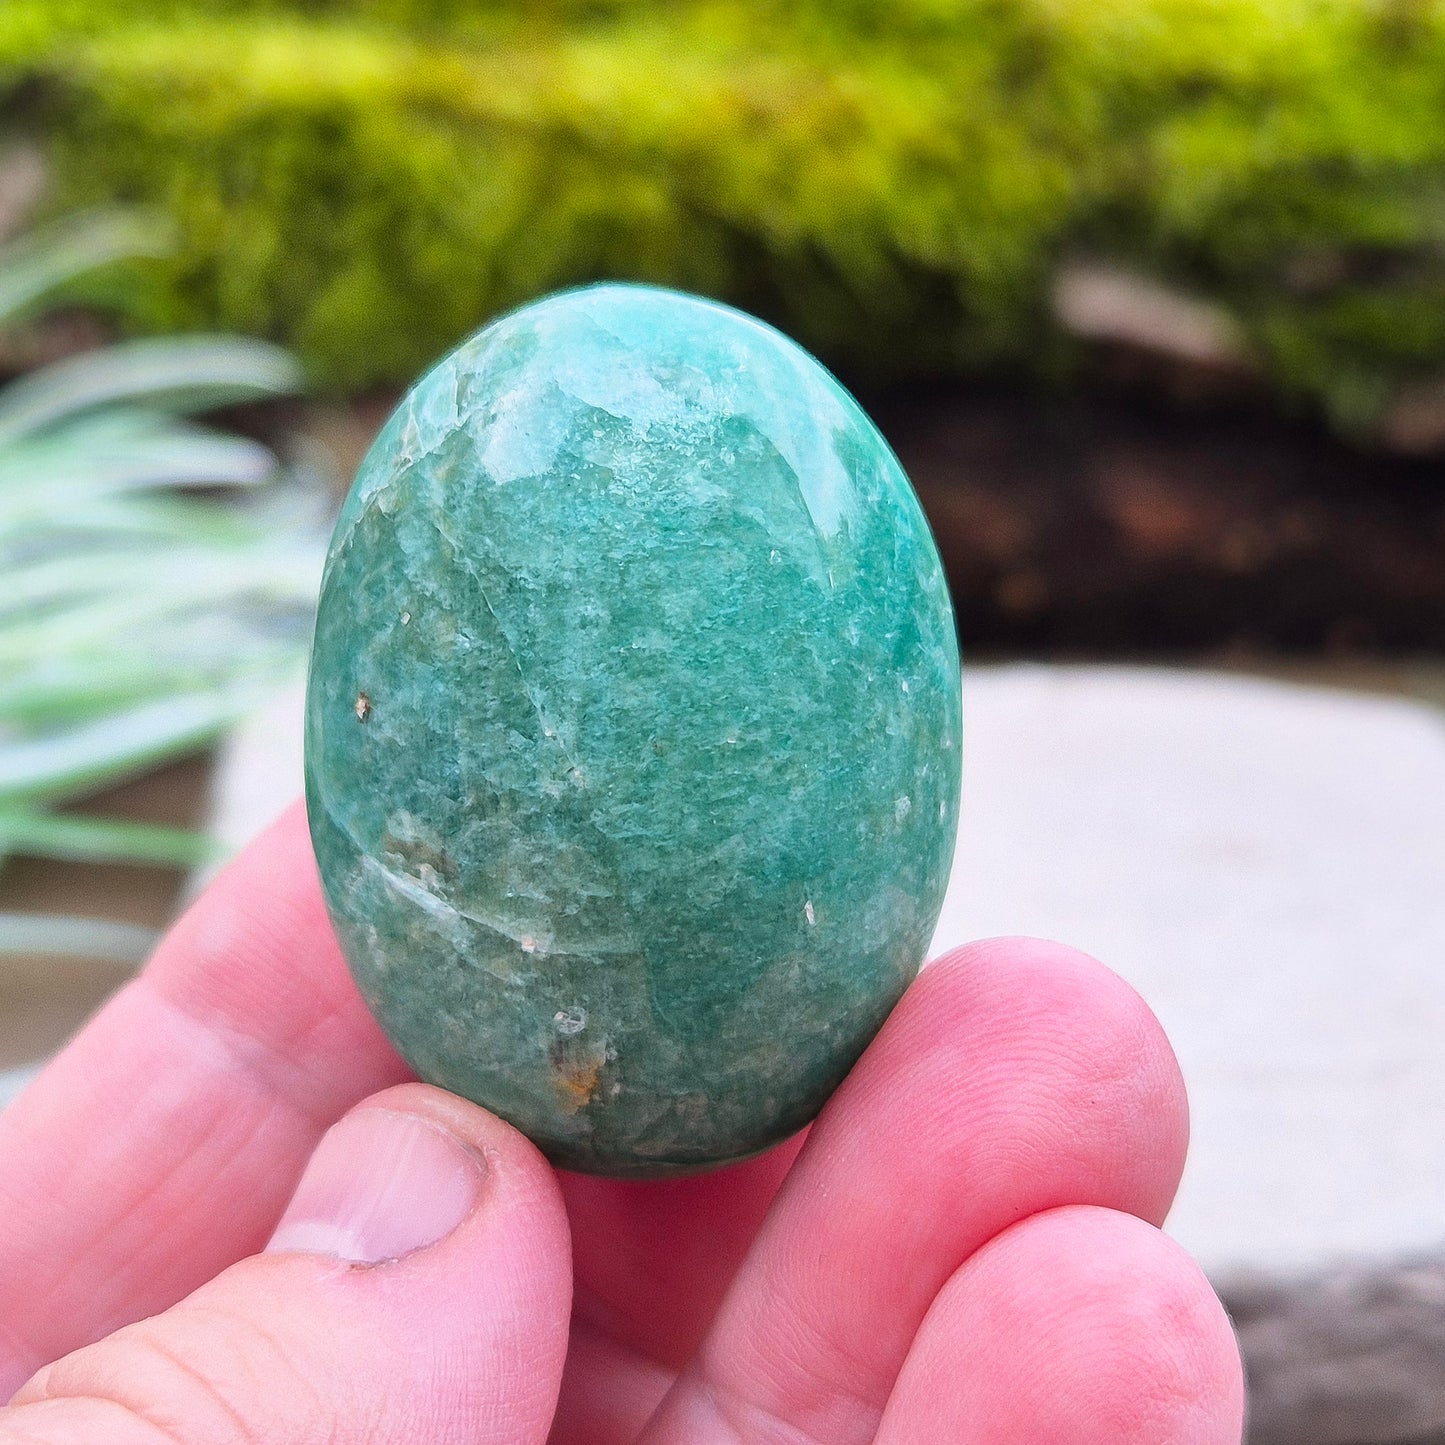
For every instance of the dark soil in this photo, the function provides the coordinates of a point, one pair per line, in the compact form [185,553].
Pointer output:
[1121,523]
[1111,524]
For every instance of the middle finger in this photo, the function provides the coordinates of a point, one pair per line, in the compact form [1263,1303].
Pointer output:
[1014,1077]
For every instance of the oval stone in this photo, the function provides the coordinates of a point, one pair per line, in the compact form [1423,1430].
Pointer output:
[633,736]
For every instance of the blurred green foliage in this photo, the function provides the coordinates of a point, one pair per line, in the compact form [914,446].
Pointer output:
[894,181]
[160,576]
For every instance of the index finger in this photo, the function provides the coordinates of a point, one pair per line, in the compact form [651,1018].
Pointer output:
[162,1144]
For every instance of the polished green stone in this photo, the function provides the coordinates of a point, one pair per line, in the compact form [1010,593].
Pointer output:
[633,736]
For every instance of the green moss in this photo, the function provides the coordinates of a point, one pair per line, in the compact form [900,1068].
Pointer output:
[893,182]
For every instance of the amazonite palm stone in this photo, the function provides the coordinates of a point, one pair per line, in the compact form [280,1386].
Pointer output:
[633,737]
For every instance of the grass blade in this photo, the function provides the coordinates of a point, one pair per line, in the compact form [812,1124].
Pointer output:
[139,620]
[82,758]
[102,840]
[34,266]
[56,936]
[40,479]
[182,374]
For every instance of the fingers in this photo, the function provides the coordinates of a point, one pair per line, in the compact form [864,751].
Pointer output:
[609,1390]
[653,1260]
[417,1288]
[1083,1325]
[163,1143]
[1015,1077]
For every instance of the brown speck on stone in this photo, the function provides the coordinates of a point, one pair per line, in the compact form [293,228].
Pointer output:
[362,708]
[577,1081]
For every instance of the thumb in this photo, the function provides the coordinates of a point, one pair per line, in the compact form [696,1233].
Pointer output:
[418,1287]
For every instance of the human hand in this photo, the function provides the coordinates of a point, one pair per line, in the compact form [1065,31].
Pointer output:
[964,1250]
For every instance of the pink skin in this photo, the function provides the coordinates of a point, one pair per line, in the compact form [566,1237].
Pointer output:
[964,1250]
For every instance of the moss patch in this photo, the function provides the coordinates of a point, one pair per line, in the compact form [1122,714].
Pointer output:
[892,182]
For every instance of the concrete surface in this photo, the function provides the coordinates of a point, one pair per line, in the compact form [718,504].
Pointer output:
[1266,864]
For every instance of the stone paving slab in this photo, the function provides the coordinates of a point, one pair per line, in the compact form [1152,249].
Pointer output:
[1266,864]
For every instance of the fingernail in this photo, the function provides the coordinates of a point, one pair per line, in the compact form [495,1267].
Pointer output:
[380,1185]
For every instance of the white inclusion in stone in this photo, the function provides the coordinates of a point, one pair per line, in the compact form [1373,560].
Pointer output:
[570,1021]
[428,418]
[902,808]
[797,407]
[808,913]
[525,433]
[528,943]
[623,386]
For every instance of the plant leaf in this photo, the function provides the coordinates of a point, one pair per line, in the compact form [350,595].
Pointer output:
[138,621]
[40,478]
[102,840]
[55,936]
[40,262]
[180,373]
[219,651]
[72,761]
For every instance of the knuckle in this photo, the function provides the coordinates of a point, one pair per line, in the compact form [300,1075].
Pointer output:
[215,1382]
[80,1417]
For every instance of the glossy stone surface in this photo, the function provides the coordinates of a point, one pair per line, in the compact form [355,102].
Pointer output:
[633,737]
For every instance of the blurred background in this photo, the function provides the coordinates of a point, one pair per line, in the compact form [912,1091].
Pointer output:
[1149,295]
